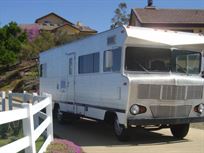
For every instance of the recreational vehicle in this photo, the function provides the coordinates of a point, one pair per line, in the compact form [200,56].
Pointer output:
[129,77]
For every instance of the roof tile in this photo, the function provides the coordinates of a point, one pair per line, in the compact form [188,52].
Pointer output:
[154,15]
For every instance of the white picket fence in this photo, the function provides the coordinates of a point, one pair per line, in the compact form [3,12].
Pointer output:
[32,104]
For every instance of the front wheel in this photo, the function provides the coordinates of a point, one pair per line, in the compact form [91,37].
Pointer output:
[120,131]
[180,131]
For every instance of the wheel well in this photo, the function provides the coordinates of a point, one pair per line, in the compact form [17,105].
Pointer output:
[109,117]
[56,105]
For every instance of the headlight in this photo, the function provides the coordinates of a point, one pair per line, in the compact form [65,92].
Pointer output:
[134,109]
[201,108]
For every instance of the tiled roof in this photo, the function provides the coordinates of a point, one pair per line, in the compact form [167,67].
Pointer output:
[83,28]
[170,16]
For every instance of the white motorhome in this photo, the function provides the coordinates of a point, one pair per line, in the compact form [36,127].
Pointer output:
[130,77]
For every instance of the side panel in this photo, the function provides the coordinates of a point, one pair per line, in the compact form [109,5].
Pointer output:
[101,93]
[92,94]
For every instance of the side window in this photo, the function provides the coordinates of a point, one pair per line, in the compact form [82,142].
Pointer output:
[112,60]
[43,70]
[88,63]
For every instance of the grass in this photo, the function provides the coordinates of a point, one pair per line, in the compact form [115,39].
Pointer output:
[4,142]
[39,142]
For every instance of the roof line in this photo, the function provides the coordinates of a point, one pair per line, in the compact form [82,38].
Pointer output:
[171,9]
[52,13]
[137,15]
[74,28]
[65,25]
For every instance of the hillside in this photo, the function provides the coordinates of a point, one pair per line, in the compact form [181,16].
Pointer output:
[20,77]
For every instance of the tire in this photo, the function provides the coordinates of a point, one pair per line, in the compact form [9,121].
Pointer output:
[60,116]
[120,131]
[180,131]
[55,112]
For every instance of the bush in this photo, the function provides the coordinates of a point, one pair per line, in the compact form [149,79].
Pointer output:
[63,146]
[10,129]
[4,131]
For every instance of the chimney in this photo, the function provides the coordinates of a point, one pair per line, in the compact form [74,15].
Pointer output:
[150,5]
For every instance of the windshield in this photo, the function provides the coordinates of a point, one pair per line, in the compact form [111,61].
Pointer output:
[162,60]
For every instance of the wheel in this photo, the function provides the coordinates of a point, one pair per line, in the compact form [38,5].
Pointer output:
[60,115]
[180,131]
[120,131]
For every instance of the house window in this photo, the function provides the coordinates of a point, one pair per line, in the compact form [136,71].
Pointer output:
[46,21]
[88,63]
[112,60]
[43,70]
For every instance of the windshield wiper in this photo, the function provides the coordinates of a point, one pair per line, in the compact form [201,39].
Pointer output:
[143,67]
[181,68]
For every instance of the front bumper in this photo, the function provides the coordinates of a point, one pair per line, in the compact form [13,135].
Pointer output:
[164,121]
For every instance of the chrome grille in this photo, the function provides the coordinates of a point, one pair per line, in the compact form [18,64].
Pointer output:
[195,92]
[169,92]
[170,111]
[146,91]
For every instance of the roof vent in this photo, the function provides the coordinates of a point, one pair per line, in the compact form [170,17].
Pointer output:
[150,4]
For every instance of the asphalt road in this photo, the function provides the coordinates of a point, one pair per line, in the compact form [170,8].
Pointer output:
[99,138]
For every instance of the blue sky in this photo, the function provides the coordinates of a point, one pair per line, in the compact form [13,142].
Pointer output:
[95,13]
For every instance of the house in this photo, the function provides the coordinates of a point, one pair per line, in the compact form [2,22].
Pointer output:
[53,22]
[189,20]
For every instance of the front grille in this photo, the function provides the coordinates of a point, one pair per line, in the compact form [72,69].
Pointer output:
[147,91]
[195,92]
[173,92]
[169,92]
[170,111]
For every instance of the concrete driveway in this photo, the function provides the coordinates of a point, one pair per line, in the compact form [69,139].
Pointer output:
[99,138]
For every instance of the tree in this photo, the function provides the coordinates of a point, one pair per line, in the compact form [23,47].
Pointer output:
[121,16]
[46,40]
[11,40]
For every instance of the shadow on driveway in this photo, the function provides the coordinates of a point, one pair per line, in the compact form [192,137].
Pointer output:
[86,132]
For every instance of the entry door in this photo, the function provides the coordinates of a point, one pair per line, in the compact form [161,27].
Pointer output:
[71,78]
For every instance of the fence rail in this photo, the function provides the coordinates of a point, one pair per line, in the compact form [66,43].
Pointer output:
[26,114]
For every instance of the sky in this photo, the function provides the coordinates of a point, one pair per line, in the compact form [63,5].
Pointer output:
[96,14]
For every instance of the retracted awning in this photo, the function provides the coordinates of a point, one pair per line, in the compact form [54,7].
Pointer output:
[149,36]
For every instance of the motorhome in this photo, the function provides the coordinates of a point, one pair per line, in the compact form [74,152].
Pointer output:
[129,77]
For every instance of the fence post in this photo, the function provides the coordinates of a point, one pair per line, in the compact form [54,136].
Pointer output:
[49,113]
[10,100]
[28,129]
[3,101]
[24,97]
[36,117]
